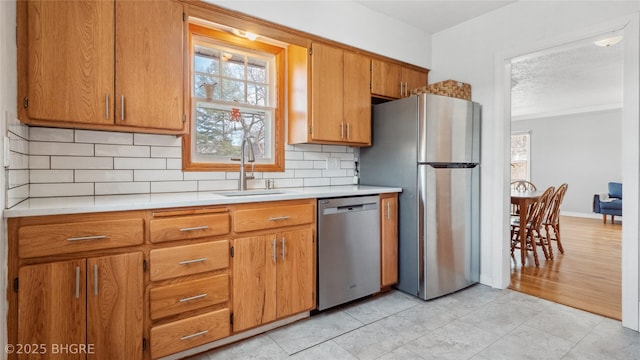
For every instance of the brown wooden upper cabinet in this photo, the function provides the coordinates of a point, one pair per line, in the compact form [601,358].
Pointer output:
[329,98]
[393,80]
[66,70]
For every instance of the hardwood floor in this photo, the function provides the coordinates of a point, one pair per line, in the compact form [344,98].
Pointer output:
[587,276]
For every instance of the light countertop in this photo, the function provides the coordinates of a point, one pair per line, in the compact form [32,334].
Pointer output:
[88,204]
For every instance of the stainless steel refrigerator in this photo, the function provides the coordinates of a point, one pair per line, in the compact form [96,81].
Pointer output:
[430,146]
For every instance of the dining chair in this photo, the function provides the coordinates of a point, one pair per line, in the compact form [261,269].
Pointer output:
[533,234]
[551,222]
[520,185]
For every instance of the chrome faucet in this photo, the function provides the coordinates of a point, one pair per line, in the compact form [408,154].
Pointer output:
[242,181]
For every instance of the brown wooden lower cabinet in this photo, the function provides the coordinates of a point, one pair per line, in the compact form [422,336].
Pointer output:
[389,239]
[273,277]
[95,304]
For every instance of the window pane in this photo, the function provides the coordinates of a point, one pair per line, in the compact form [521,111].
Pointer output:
[219,132]
[206,86]
[256,95]
[233,91]
[520,156]
[206,60]
[257,71]
[233,65]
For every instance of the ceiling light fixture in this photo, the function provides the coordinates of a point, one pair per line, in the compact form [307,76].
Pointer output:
[245,34]
[608,41]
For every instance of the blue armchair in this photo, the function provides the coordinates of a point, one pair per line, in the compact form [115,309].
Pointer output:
[609,203]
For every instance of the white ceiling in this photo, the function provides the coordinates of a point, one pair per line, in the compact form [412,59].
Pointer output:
[573,78]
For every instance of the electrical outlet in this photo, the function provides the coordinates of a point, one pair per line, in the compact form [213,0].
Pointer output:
[333,163]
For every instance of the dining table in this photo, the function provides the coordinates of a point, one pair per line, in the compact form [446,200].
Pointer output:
[524,200]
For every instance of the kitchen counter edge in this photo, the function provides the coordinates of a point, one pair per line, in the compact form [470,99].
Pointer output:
[104,203]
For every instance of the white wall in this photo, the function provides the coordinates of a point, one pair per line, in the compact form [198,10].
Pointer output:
[475,52]
[583,150]
[8,93]
[346,22]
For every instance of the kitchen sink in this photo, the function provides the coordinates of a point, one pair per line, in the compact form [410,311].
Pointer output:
[250,192]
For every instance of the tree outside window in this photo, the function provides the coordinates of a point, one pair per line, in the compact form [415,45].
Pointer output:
[520,162]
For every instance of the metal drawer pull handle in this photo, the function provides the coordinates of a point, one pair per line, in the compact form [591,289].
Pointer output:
[195,297]
[95,237]
[186,262]
[77,282]
[278,218]
[122,108]
[194,335]
[283,248]
[95,279]
[106,107]
[274,246]
[194,228]
[388,210]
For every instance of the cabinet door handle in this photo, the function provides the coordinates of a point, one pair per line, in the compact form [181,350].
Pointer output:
[342,130]
[274,247]
[388,210]
[282,242]
[77,282]
[122,108]
[95,237]
[278,218]
[195,297]
[106,106]
[348,131]
[200,333]
[194,228]
[95,279]
[187,262]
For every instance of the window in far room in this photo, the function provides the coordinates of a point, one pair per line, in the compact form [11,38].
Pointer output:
[520,156]
[236,92]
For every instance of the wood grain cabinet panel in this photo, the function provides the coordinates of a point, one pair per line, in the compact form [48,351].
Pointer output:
[96,301]
[188,333]
[188,227]
[63,238]
[171,262]
[395,81]
[389,239]
[188,295]
[272,217]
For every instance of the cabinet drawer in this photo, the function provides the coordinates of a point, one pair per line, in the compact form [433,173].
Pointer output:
[272,217]
[53,239]
[188,259]
[189,295]
[188,227]
[187,333]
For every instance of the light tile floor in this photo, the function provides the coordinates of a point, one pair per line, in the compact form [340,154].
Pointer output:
[476,323]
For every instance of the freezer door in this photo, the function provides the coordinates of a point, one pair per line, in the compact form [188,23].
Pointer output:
[449,130]
[449,233]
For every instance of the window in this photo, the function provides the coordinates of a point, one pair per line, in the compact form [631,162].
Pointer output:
[236,92]
[520,149]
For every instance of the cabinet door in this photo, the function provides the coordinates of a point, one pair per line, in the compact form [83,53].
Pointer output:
[254,281]
[389,239]
[357,98]
[70,61]
[149,64]
[115,293]
[327,93]
[413,79]
[296,272]
[386,79]
[52,305]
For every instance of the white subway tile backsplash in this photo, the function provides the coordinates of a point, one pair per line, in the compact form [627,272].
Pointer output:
[348,180]
[51,176]
[308,173]
[313,155]
[62,189]
[103,175]
[173,186]
[55,148]
[17,195]
[214,185]
[343,156]
[103,137]
[18,144]
[334,173]
[81,162]
[204,175]
[159,140]
[348,164]
[19,161]
[294,155]
[308,147]
[50,134]
[298,164]
[289,173]
[317,181]
[174,164]
[121,188]
[157,175]
[137,163]
[16,178]
[123,150]
[288,183]
[320,164]
[166,152]
[15,126]
[335,148]
[37,162]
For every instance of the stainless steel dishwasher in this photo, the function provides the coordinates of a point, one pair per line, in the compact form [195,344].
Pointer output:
[348,249]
